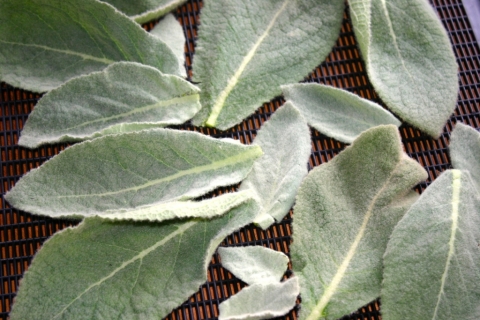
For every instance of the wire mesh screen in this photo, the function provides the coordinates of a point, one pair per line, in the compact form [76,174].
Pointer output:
[23,234]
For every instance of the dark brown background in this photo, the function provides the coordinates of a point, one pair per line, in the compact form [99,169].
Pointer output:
[22,235]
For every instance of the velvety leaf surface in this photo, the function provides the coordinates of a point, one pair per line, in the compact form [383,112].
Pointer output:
[345,211]
[409,59]
[208,208]
[276,177]
[145,10]
[335,112]
[254,264]
[170,31]
[432,262]
[124,97]
[465,151]
[130,170]
[247,49]
[44,43]
[261,301]
[122,270]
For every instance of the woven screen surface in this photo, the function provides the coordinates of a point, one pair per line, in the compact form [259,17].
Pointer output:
[22,234]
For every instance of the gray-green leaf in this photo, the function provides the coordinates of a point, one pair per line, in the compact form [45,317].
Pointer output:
[261,301]
[432,262]
[409,59]
[336,113]
[247,49]
[254,264]
[130,170]
[171,32]
[145,10]
[465,151]
[44,43]
[344,214]
[124,97]
[276,177]
[119,270]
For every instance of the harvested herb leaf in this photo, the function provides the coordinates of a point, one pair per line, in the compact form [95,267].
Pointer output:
[145,10]
[44,43]
[345,211]
[119,270]
[276,177]
[335,112]
[131,170]
[171,33]
[465,151]
[247,49]
[409,59]
[124,97]
[432,262]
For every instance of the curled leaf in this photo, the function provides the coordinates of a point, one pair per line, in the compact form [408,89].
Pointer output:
[145,10]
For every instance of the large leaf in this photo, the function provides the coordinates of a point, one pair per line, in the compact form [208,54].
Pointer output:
[145,10]
[118,270]
[124,97]
[335,112]
[170,31]
[432,262]
[276,177]
[247,49]
[465,151]
[344,214]
[44,43]
[131,170]
[409,59]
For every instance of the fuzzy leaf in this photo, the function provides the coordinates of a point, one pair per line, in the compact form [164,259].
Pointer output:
[276,177]
[261,301]
[131,170]
[254,264]
[124,97]
[44,43]
[344,214]
[432,262]
[171,33]
[145,10]
[465,151]
[409,59]
[335,112]
[247,49]
[122,270]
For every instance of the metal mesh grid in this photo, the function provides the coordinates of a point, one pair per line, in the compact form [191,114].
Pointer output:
[22,235]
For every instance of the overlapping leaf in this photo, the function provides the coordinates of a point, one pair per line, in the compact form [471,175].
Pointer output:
[124,97]
[119,270]
[335,112]
[131,170]
[247,49]
[44,43]
[432,262]
[145,10]
[344,214]
[409,59]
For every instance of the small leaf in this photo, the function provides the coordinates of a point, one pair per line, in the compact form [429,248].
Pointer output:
[122,270]
[335,112]
[276,177]
[124,97]
[432,262]
[254,264]
[409,59]
[344,214]
[247,49]
[145,10]
[131,170]
[261,301]
[171,33]
[465,151]
[44,43]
